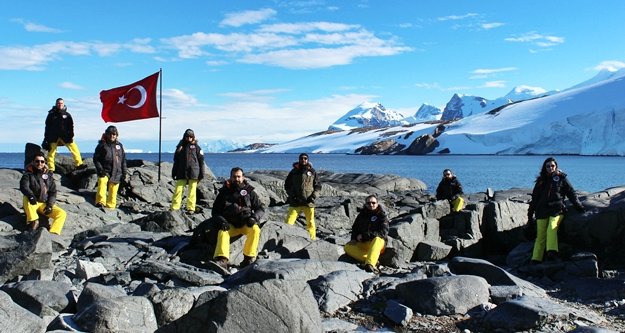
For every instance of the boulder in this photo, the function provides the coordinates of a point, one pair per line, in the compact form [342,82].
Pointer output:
[33,252]
[445,295]
[14,318]
[338,289]
[120,314]
[269,306]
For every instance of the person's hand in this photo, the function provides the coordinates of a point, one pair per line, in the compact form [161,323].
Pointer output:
[102,174]
[359,237]
[530,216]
[45,144]
[32,200]
[223,223]
[251,221]
[47,210]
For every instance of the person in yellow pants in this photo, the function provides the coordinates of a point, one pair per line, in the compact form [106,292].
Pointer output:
[450,189]
[237,211]
[188,170]
[302,186]
[547,205]
[39,190]
[59,131]
[109,159]
[369,233]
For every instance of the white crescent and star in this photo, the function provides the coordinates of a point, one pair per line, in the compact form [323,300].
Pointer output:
[144,96]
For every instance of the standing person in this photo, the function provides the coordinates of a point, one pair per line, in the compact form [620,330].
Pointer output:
[450,189]
[110,165]
[60,131]
[237,210]
[39,190]
[188,169]
[302,186]
[369,234]
[548,206]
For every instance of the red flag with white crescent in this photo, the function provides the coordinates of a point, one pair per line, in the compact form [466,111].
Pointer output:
[134,101]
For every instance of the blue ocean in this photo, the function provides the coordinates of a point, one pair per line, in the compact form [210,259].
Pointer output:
[476,172]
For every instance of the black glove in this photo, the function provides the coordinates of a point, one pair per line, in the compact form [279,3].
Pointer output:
[102,174]
[581,209]
[311,198]
[453,197]
[45,144]
[251,221]
[222,223]
[530,216]
[32,200]
[47,210]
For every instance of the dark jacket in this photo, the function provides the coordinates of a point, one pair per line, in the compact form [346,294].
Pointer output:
[188,161]
[548,196]
[110,160]
[448,189]
[38,185]
[302,185]
[59,125]
[237,204]
[370,224]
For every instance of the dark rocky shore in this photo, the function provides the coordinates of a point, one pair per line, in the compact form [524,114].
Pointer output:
[140,268]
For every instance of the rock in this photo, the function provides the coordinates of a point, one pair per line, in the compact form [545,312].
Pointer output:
[14,318]
[269,306]
[432,251]
[93,292]
[43,298]
[494,275]
[444,295]
[33,252]
[164,271]
[397,312]
[338,289]
[87,269]
[528,312]
[171,304]
[174,222]
[120,314]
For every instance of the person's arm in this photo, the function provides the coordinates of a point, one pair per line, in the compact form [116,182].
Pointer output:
[70,128]
[25,187]
[51,191]
[200,161]
[124,164]
[440,192]
[98,156]
[219,204]
[257,206]
[458,187]
[572,195]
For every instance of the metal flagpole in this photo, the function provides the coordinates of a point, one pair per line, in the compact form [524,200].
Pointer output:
[160,122]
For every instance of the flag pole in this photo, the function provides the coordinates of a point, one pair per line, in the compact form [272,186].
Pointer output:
[160,121]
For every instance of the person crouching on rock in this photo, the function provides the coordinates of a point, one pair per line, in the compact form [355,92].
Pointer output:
[369,234]
[302,186]
[188,169]
[39,189]
[110,165]
[450,189]
[547,204]
[237,210]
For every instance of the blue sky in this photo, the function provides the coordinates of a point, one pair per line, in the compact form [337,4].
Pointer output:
[272,71]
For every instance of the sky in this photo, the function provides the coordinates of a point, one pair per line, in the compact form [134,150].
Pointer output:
[273,71]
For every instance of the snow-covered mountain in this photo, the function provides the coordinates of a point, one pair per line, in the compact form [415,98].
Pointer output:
[461,106]
[588,120]
[425,113]
[522,93]
[367,115]
[600,77]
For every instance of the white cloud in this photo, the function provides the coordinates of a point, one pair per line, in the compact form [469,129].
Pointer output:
[482,73]
[491,25]
[429,86]
[70,85]
[34,27]
[294,46]
[494,84]
[610,65]
[536,39]
[247,17]
[456,17]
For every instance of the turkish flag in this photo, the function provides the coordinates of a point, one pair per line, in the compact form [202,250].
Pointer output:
[134,101]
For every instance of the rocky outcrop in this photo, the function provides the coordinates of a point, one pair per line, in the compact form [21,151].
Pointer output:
[141,267]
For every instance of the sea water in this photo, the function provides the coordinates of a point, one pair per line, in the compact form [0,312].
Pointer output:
[475,172]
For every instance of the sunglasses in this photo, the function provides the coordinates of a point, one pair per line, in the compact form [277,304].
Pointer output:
[550,166]
[371,203]
[447,174]
[304,158]
[39,161]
